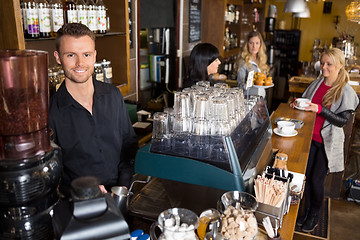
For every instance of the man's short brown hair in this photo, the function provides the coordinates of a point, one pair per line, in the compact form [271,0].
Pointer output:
[75,30]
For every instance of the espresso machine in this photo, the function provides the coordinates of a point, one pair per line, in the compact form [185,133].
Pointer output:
[30,166]
[196,182]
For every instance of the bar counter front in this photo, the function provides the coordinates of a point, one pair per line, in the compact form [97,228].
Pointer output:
[297,148]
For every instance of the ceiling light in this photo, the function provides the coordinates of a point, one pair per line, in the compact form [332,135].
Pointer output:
[305,14]
[295,6]
[353,11]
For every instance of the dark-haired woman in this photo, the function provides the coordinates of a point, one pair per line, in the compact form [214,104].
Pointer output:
[204,61]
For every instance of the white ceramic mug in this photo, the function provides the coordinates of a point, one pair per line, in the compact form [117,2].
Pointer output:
[286,127]
[302,102]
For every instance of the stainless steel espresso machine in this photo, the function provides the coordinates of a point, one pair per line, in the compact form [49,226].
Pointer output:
[196,181]
[30,167]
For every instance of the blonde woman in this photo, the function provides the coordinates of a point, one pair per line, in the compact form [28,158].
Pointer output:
[333,100]
[252,58]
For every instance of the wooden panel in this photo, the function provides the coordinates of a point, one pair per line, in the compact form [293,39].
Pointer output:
[297,149]
[213,27]
[12,36]
[120,64]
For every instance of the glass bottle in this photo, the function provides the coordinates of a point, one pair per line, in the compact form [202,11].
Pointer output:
[92,23]
[23,6]
[107,69]
[70,11]
[101,17]
[98,72]
[44,18]
[227,39]
[82,13]
[107,21]
[57,16]
[32,18]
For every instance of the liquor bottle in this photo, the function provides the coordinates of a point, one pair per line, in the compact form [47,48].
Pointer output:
[231,13]
[92,23]
[226,67]
[23,6]
[255,16]
[82,12]
[57,16]
[230,68]
[44,18]
[32,18]
[70,11]
[107,21]
[237,15]
[101,17]
[227,39]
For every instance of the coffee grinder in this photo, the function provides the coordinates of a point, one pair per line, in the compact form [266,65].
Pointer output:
[30,165]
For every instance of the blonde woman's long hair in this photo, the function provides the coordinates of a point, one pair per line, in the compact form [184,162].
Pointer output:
[261,56]
[334,93]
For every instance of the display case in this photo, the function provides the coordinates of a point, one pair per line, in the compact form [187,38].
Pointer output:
[287,47]
[244,153]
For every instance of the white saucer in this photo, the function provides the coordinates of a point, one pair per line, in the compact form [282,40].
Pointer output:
[277,132]
[259,86]
[300,108]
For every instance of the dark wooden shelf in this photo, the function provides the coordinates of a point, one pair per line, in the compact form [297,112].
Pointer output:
[97,36]
[231,52]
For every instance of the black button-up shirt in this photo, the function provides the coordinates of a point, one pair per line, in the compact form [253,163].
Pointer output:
[102,144]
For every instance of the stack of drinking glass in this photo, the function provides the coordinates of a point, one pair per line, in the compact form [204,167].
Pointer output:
[201,117]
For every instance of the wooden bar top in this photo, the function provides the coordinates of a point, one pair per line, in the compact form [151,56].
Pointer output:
[297,148]
[298,84]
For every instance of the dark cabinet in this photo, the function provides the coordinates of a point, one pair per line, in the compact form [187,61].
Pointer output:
[287,43]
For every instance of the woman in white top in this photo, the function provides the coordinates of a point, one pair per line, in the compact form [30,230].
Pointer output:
[252,58]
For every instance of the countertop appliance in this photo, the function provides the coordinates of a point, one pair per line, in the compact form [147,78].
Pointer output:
[30,166]
[197,183]
[89,214]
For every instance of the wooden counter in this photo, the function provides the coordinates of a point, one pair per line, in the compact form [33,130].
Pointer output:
[297,148]
[298,84]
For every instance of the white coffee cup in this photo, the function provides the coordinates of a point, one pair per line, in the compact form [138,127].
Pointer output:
[302,102]
[286,127]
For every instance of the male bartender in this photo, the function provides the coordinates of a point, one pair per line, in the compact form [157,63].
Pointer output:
[89,118]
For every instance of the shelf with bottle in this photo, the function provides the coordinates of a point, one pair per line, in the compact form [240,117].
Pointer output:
[256,15]
[232,28]
[221,25]
[228,67]
[97,36]
[42,18]
[112,44]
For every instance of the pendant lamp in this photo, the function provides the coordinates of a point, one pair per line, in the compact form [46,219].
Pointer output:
[305,14]
[295,6]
